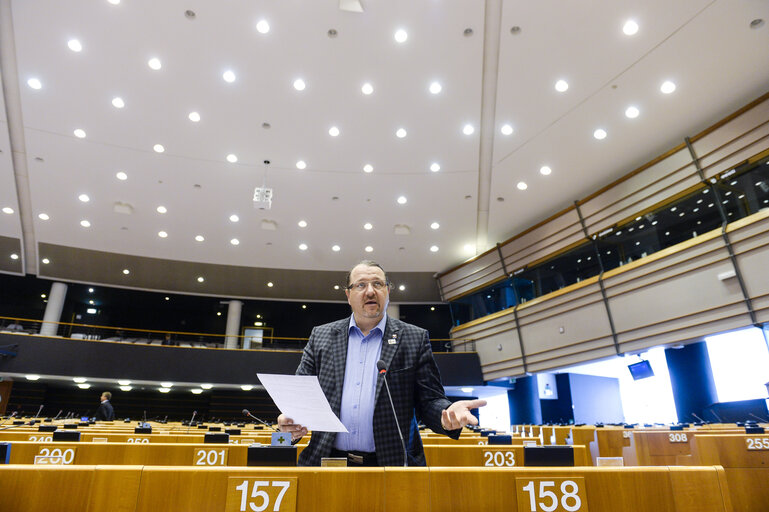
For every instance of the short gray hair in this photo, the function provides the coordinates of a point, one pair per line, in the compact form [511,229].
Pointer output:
[367,263]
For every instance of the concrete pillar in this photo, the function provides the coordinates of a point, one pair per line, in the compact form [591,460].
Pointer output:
[53,309]
[233,324]
[394,311]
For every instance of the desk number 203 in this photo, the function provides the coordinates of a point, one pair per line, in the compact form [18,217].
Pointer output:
[551,494]
[261,494]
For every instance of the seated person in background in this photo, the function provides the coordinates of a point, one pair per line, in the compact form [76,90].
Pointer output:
[13,326]
[105,412]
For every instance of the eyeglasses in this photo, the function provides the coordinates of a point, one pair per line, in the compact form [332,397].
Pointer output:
[363,285]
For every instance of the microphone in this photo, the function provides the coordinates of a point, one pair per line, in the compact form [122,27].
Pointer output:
[60,411]
[382,367]
[763,420]
[698,418]
[29,423]
[13,415]
[39,411]
[246,413]
[716,415]
[191,420]
[145,416]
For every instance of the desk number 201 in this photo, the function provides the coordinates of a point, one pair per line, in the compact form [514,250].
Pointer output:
[261,497]
[547,500]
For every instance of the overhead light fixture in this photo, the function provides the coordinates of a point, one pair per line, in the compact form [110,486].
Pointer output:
[632,112]
[433,248]
[43,216]
[34,83]
[85,223]
[84,386]
[506,129]
[368,226]
[32,376]
[8,210]
[333,131]
[161,209]
[435,88]
[206,386]
[367,88]
[162,234]
[401,36]
[199,238]
[164,390]
[158,148]
[79,133]
[124,382]
[194,117]
[545,170]
[561,86]
[368,248]
[630,28]
[246,387]
[301,165]
[196,391]
[84,198]
[368,168]
[302,247]
[118,102]
[262,26]
[667,87]
[400,133]
[434,225]
[336,248]
[166,384]
[599,134]
[154,63]
[229,76]
[232,158]
[121,176]
[299,84]
[468,129]
[270,284]
[402,200]
[402,287]
[125,388]
[79,380]
[234,218]
[522,185]
[201,279]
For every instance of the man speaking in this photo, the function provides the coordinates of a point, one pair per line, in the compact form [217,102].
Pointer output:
[344,355]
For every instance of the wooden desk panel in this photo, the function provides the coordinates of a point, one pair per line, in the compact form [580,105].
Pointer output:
[487,456]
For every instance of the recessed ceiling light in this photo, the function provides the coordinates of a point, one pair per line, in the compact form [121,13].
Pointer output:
[235,241]
[194,117]
[302,247]
[434,167]
[400,133]
[234,218]
[118,102]
[158,148]
[162,234]
[126,271]
[333,131]
[401,36]
[85,223]
[84,198]
[301,164]
[667,87]
[125,388]
[34,83]
[368,168]
[201,279]
[270,285]
[45,261]
[630,28]
[402,287]
[434,225]
[229,76]
[161,209]
[196,391]
[232,158]
[302,223]
[469,248]
[74,45]
[561,86]
[262,26]
[124,382]
[121,176]
[545,170]
[599,134]
[43,216]
[336,287]
[402,200]
[84,386]
[336,248]
[8,210]
[433,248]
[367,88]
[14,256]
[368,225]
[468,129]
[506,129]
[79,133]
[246,387]
[632,112]
[299,84]
[164,390]
[154,63]
[368,248]
[114,2]
[199,238]
[522,185]
[32,377]
[206,386]
[79,380]
[90,290]
[435,87]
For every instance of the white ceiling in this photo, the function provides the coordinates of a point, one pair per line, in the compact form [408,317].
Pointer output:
[706,47]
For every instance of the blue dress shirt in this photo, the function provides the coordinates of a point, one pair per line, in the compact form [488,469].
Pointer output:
[357,413]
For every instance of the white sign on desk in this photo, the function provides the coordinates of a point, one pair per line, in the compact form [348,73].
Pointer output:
[300,398]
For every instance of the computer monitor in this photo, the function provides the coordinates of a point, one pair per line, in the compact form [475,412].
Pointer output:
[641,370]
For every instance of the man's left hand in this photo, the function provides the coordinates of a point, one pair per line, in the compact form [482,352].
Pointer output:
[458,414]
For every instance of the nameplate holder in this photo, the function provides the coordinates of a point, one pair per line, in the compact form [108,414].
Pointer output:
[66,436]
[71,426]
[754,430]
[216,437]
[214,429]
[271,455]
[233,431]
[500,439]
[202,426]
[548,456]
[47,428]
[142,430]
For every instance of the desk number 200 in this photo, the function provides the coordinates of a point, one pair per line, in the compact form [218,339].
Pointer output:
[548,501]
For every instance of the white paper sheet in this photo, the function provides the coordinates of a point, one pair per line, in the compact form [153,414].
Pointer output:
[300,398]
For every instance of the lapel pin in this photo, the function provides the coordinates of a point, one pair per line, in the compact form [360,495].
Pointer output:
[391,341]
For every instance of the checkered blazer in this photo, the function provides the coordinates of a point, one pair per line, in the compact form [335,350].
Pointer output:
[414,381]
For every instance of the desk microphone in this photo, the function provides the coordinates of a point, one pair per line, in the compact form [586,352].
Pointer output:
[716,415]
[699,419]
[29,423]
[191,420]
[13,415]
[246,413]
[57,416]
[39,411]
[763,420]
[382,367]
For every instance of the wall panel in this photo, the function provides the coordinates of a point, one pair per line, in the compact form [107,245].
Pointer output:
[543,240]
[472,275]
